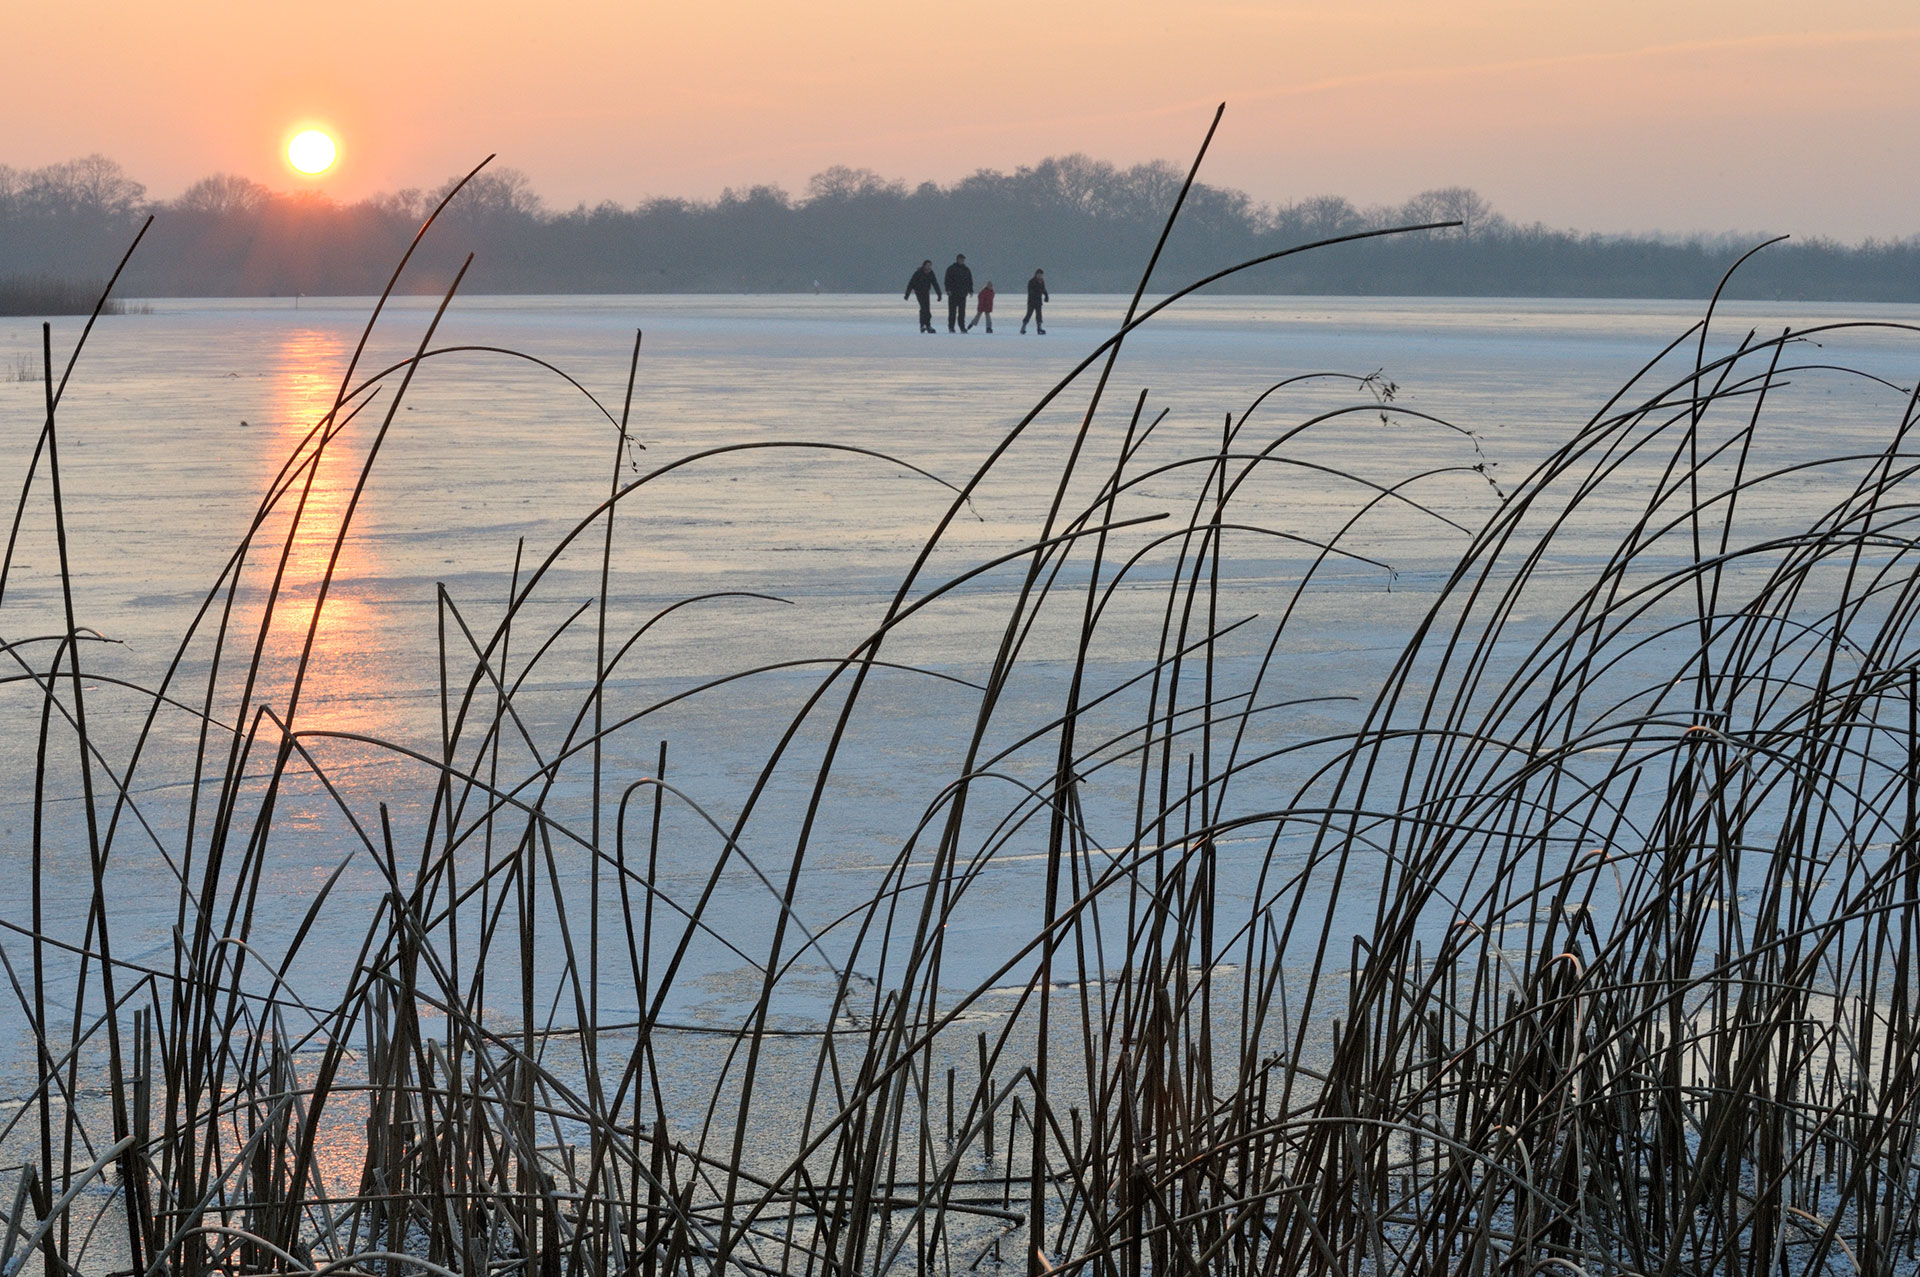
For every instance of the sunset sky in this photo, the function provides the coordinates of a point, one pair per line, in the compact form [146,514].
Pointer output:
[1613,115]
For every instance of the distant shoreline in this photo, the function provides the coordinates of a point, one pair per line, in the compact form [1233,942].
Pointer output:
[1089,224]
[139,303]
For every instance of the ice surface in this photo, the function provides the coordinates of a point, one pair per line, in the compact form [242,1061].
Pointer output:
[177,422]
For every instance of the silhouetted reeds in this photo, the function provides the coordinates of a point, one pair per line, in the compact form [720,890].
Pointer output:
[43,295]
[1583,942]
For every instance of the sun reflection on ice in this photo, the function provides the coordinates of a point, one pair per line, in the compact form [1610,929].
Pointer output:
[322,468]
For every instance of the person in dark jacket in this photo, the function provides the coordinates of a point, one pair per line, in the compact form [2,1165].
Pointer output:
[983,308]
[959,286]
[1036,293]
[922,283]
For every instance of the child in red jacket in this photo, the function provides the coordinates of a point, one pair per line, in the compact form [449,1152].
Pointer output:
[983,307]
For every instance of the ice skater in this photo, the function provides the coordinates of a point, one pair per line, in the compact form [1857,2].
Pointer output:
[959,285]
[1036,293]
[983,308]
[922,283]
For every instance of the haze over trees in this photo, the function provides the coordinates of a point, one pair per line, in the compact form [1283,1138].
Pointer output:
[1089,223]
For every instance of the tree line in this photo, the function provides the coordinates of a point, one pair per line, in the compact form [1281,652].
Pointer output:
[1090,224]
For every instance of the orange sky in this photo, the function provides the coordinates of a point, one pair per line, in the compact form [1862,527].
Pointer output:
[1609,115]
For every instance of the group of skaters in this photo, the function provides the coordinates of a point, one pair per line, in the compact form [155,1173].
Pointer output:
[959,286]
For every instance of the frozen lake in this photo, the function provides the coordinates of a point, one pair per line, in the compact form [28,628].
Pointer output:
[177,422]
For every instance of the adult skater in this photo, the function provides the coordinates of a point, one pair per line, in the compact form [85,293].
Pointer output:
[959,286]
[1036,293]
[919,286]
[983,308]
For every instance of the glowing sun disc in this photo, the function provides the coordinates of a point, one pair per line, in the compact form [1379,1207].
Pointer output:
[311,151]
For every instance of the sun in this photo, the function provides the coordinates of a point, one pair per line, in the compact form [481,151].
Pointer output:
[311,151]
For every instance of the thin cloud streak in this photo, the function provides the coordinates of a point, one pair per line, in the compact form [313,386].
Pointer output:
[1405,75]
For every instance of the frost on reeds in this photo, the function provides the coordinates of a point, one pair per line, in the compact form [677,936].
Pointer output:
[1583,941]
